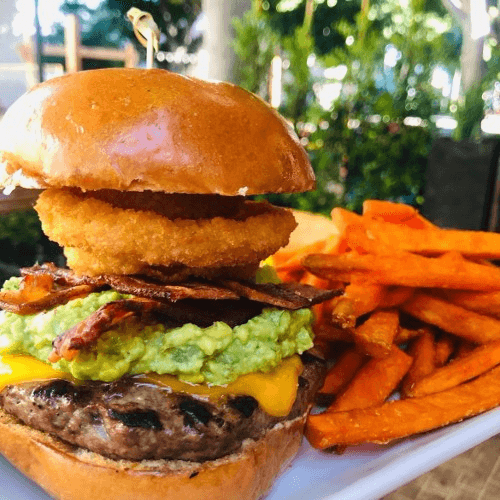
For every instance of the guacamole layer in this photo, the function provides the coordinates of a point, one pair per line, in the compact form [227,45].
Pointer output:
[216,355]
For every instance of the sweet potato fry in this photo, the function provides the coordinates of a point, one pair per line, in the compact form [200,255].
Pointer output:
[475,244]
[319,309]
[291,259]
[311,279]
[357,299]
[343,218]
[342,372]
[374,382]
[360,240]
[453,319]
[319,314]
[291,275]
[322,313]
[406,334]
[484,262]
[397,419]
[406,269]
[333,333]
[422,350]
[323,348]
[478,361]
[395,296]
[444,348]
[388,210]
[376,335]
[343,312]
[482,302]
[464,347]
[396,213]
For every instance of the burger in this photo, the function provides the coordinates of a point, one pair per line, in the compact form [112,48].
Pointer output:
[164,361]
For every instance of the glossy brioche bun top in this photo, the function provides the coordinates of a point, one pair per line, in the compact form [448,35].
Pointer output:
[149,129]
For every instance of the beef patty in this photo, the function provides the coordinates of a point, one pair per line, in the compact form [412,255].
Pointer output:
[133,420]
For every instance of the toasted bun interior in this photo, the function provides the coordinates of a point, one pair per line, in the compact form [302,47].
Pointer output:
[136,129]
[69,473]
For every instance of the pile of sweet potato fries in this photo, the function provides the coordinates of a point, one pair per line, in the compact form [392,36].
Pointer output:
[414,341]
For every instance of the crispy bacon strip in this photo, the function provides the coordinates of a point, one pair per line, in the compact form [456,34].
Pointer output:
[172,293]
[287,295]
[37,293]
[88,331]
[9,300]
[61,276]
[136,286]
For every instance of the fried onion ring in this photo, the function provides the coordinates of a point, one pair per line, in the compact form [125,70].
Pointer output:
[91,263]
[101,238]
[95,263]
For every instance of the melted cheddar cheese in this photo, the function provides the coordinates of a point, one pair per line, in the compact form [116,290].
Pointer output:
[275,390]
[16,369]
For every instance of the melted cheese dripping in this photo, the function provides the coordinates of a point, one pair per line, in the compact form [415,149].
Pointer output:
[275,391]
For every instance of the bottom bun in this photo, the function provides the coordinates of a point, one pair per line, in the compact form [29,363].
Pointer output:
[71,473]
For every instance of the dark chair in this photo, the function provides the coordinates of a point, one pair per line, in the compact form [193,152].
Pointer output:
[462,187]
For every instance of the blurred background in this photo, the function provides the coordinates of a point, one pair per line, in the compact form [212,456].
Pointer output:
[395,100]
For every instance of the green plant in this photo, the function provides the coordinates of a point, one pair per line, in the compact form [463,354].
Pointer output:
[471,108]
[361,148]
[22,242]
[20,227]
[387,161]
[470,112]
[254,41]
[371,160]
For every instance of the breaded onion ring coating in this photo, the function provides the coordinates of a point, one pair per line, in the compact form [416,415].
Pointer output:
[90,263]
[95,263]
[115,235]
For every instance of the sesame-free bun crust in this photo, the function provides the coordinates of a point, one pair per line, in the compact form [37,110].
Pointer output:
[69,473]
[149,129]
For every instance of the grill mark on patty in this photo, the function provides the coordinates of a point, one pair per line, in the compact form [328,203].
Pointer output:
[194,412]
[147,419]
[246,405]
[57,389]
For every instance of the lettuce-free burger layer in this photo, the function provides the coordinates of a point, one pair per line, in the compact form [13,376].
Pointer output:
[145,174]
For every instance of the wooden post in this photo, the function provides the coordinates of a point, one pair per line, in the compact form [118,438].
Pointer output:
[72,44]
[73,52]
[130,56]
[19,199]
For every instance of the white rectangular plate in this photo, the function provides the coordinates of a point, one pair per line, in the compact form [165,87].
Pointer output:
[362,473]
[369,472]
